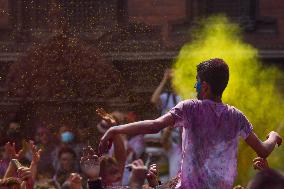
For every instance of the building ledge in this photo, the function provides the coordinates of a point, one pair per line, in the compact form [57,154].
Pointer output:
[156,55]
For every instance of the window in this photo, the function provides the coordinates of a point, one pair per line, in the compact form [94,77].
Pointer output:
[241,11]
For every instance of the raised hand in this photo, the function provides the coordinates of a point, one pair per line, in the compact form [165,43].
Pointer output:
[75,181]
[138,174]
[10,150]
[25,174]
[260,163]
[90,163]
[35,153]
[152,176]
[168,74]
[106,116]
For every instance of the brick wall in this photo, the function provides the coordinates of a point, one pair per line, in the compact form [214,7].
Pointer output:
[4,14]
[156,12]
[274,9]
[270,28]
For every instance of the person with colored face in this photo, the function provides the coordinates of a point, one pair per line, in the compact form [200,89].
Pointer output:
[211,131]
[198,88]
[67,139]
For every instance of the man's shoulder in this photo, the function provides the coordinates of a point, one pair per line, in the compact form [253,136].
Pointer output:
[235,110]
[190,102]
[198,103]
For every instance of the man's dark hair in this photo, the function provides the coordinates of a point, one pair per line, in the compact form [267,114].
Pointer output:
[66,150]
[267,179]
[107,163]
[216,73]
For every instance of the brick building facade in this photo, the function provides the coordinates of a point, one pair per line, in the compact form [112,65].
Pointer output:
[135,36]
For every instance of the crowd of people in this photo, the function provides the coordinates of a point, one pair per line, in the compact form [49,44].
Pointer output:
[200,138]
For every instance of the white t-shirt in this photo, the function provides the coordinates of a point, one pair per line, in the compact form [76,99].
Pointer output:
[169,100]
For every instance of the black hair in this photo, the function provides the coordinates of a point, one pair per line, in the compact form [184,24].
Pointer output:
[66,150]
[267,179]
[216,73]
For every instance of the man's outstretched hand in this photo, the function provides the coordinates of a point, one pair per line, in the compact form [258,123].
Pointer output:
[276,136]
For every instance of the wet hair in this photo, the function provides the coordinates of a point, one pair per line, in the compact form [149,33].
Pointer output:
[267,179]
[216,73]
[66,150]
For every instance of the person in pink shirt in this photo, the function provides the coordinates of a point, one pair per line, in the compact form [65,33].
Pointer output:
[210,132]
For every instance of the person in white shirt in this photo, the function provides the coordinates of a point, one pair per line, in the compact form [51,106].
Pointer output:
[170,138]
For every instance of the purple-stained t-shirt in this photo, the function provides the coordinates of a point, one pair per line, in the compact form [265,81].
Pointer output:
[209,142]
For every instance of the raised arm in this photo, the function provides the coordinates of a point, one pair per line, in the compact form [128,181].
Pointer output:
[119,151]
[35,159]
[10,153]
[155,99]
[263,149]
[141,127]
[11,170]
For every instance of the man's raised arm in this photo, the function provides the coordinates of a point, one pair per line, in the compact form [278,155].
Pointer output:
[263,149]
[141,127]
